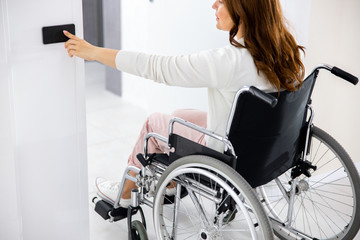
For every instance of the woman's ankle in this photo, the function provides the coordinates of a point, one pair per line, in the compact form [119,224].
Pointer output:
[129,186]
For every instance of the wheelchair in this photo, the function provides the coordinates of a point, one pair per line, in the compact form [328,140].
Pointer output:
[279,175]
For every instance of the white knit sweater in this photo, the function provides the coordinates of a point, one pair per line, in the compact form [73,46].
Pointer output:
[223,71]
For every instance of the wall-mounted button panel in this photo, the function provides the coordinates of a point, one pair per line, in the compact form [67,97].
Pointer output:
[54,34]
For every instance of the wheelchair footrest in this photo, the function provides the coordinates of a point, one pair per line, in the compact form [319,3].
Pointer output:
[106,210]
[103,209]
[119,213]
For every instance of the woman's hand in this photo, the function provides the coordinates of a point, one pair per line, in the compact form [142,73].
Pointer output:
[76,46]
[79,47]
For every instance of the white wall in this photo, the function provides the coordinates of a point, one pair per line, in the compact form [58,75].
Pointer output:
[334,38]
[43,169]
[9,214]
[297,14]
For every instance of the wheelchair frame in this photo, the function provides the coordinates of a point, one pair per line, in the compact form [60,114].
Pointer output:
[152,172]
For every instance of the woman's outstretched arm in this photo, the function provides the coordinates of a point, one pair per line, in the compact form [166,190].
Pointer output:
[76,46]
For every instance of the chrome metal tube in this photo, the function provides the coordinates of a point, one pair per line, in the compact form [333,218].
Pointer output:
[323,66]
[279,224]
[202,130]
[135,198]
[312,114]
[233,107]
[290,214]
[282,189]
[150,135]
[126,176]
[201,186]
[203,193]
[147,202]
[176,211]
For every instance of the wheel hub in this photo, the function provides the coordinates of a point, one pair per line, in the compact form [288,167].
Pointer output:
[302,186]
[203,235]
[208,234]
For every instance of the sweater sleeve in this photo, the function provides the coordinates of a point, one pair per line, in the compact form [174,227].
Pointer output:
[211,68]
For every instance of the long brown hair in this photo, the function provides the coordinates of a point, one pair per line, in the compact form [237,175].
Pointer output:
[274,49]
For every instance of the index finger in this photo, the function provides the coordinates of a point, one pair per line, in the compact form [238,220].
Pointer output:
[69,35]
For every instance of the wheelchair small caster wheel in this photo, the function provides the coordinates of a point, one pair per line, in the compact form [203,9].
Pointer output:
[138,231]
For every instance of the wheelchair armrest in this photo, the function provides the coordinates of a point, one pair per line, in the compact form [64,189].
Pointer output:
[202,130]
[154,135]
[186,147]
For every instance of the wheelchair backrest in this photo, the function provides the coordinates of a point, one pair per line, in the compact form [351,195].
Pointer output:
[268,141]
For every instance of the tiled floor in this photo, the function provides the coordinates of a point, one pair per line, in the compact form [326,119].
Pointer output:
[112,127]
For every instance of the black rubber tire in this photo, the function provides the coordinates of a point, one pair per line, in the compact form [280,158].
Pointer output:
[138,231]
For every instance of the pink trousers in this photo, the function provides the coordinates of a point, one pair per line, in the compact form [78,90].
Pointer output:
[159,123]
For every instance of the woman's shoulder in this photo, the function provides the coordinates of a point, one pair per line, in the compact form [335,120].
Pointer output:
[230,52]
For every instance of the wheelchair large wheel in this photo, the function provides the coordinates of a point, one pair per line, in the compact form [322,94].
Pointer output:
[220,204]
[326,205]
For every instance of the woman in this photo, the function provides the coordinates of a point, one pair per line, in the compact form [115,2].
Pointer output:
[261,53]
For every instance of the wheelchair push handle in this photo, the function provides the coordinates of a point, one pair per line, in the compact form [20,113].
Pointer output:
[339,72]
[344,75]
[267,98]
